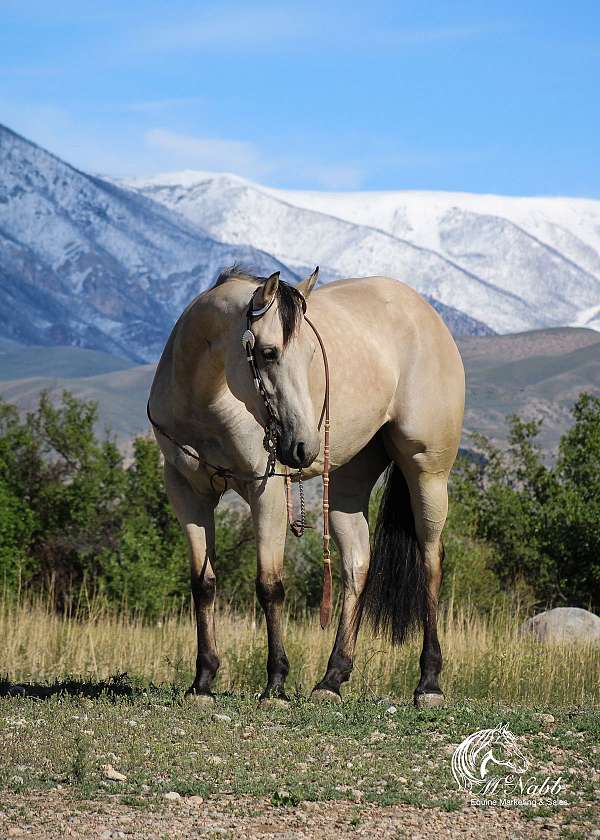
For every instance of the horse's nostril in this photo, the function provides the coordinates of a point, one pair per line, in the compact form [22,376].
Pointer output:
[300,452]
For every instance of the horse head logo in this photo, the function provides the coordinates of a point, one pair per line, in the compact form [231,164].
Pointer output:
[478,756]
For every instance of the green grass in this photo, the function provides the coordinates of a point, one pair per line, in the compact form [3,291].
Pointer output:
[67,709]
[359,751]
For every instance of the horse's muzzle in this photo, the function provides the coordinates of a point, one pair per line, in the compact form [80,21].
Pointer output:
[298,455]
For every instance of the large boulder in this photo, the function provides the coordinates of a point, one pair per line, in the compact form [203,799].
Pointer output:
[563,624]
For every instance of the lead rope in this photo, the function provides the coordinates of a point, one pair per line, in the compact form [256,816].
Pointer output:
[327,592]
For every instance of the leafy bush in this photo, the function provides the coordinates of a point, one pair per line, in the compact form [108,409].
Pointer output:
[74,516]
[543,521]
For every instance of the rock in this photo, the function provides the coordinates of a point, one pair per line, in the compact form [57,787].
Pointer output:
[222,718]
[195,800]
[391,710]
[172,796]
[109,772]
[563,624]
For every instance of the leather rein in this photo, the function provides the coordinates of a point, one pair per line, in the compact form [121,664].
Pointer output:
[271,427]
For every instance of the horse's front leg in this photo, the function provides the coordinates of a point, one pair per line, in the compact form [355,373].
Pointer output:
[195,512]
[268,507]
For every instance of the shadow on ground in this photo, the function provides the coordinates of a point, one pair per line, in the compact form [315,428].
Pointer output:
[117,686]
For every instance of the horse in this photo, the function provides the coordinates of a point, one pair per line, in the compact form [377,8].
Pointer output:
[396,401]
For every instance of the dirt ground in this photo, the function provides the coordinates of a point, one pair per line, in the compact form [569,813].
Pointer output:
[56,814]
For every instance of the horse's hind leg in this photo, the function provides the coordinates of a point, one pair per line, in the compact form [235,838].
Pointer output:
[350,490]
[429,498]
[195,513]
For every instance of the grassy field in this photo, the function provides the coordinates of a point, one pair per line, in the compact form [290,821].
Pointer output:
[486,659]
[374,766]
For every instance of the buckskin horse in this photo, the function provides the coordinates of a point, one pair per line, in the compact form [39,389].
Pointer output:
[395,385]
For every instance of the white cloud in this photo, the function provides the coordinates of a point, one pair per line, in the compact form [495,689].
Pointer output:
[238,156]
[293,26]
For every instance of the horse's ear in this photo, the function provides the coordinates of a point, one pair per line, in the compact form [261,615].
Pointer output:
[306,286]
[267,291]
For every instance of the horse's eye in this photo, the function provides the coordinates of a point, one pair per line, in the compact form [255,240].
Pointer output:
[269,354]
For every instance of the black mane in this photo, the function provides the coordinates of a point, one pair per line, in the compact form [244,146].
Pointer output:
[289,300]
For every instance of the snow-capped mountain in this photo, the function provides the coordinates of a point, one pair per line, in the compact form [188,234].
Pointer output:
[86,263]
[511,263]
[109,265]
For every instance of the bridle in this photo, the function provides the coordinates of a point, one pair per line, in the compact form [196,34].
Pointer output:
[270,440]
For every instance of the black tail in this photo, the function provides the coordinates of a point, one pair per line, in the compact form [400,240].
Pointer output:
[395,596]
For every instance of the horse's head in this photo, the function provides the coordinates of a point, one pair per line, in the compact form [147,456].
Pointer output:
[283,350]
[504,751]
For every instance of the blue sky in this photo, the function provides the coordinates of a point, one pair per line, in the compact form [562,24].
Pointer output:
[484,97]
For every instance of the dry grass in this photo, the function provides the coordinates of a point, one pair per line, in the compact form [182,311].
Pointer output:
[485,657]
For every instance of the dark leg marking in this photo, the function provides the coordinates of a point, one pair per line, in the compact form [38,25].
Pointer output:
[271,597]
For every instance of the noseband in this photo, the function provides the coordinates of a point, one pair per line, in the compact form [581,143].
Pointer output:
[272,427]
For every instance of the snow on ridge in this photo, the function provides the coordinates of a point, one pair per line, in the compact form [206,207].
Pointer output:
[183,178]
[512,263]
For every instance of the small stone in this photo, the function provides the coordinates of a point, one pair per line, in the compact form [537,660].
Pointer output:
[546,719]
[109,772]
[172,796]
[391,710]
[222,718]
[195,800]
[403,780]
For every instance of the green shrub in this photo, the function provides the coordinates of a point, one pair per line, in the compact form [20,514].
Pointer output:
[74,515]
